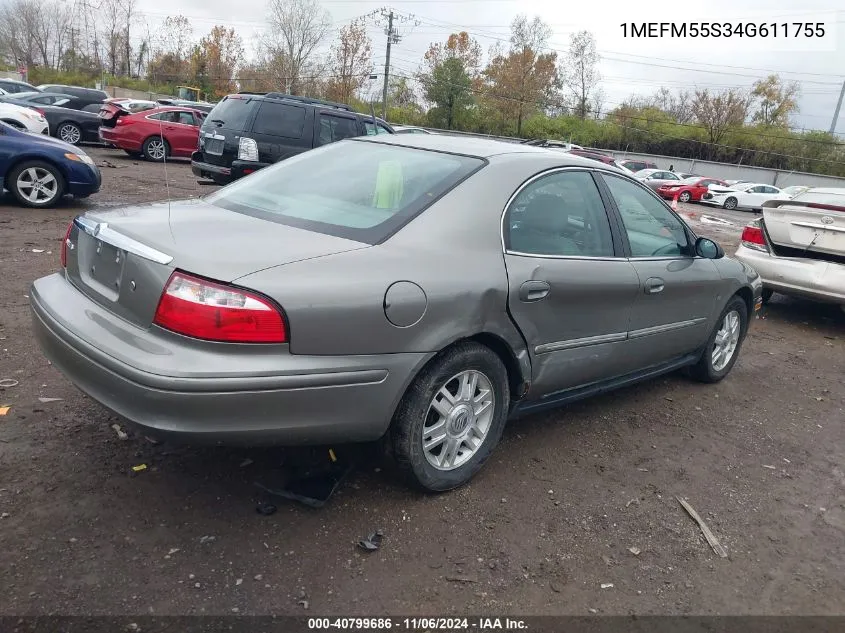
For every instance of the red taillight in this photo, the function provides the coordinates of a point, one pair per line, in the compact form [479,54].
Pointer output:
[752,236]
[206,310]
[65,242]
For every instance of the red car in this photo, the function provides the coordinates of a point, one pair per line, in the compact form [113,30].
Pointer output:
[156,134]
[689,190]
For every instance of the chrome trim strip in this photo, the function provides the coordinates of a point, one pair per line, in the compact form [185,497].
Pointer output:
[823,227]
[102,232]
[587,257]
[661,329]
[580,342]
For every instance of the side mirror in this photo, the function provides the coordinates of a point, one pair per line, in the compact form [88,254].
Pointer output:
[707,248]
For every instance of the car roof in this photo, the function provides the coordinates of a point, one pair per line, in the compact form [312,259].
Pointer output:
[485,148]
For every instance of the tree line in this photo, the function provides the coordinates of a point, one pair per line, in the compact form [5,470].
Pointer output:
[525,89]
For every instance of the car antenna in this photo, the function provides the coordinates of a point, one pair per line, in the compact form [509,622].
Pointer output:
[166,179]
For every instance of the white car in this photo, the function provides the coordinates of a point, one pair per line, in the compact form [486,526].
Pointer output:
[746,195]
[410,129]
[23,118]
[798,246]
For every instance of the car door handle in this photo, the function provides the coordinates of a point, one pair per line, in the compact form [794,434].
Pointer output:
[533,291]
[653,285]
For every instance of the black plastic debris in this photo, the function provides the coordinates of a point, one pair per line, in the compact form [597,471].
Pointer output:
[265,508]
[372,542]
[313,483]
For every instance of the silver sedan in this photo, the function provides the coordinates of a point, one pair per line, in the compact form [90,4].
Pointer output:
[421,289]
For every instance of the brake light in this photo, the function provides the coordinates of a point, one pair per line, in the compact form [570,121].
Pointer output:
[65,245]
[214,312]
[752,237]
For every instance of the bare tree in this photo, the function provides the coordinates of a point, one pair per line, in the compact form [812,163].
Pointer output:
[350,62]
[296,29]
[582,75]
[597,103]
[679,106]
[719,111]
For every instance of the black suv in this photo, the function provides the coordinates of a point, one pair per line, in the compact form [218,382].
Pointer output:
[248,131]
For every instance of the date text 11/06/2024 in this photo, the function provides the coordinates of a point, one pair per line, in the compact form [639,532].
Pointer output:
[792,30]
[418,624]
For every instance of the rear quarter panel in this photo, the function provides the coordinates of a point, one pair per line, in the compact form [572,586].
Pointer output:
[452,251]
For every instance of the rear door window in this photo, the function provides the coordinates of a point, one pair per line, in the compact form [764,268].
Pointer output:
[335,128]
[186,118]
[232,113]
[278,119]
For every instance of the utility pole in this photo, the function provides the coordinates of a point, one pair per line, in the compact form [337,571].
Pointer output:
[391,35]
[835,112]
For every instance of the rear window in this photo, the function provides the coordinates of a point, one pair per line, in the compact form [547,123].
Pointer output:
[358,190]
[823,197]
[231,113]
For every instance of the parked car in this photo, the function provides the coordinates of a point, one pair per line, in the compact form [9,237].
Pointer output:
[59,100]
[635,165]
[689,189]
[684,175]
[156,134]
[91,95]
[656,178]
[798,246]
[794,190]
[747,195]
[39,170]
[551,143]
[731,183]
[22,118]
[592,155]
[12,86]
[71,126]
[248,131]
[409,129]
[307,303]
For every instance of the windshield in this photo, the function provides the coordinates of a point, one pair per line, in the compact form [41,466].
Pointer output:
[359,190]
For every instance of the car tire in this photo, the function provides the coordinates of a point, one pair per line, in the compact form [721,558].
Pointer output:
[712,367]
[69,133]
[730,203]
[767,295]
[439,398]
[39,170]
[156,149]
[685,196]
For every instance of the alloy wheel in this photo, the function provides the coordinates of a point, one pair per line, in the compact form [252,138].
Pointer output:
[458,419]
[37,185]
[70,134]
[727,340]
[156,149]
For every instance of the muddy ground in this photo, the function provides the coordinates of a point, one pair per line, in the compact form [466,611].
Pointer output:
[554,515]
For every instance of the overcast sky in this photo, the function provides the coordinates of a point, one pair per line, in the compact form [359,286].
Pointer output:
[628,66]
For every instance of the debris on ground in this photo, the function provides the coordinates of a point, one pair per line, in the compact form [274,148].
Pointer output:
[37,250]
[46,400]
[152,440]
[634,550]
[7,383]
[372,542]
[769,467]
[207,539]
[304,603]
[121,435]
[265,509]
[461,579]
[4,410]
[607,585]
[711,538]
[139,468]
[246,462]
[313,483]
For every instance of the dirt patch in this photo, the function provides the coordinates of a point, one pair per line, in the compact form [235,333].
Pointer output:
[553,516]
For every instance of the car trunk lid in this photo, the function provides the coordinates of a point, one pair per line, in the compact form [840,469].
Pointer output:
[810,226]
[122,259]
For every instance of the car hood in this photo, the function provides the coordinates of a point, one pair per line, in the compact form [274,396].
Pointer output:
[48,142]
[208,240]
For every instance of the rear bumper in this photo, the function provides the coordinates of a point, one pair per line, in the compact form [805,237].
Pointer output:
[810,278]
[238,169]
[109,136]
[218,393]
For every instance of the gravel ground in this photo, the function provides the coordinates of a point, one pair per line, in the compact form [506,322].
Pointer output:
[572,501]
